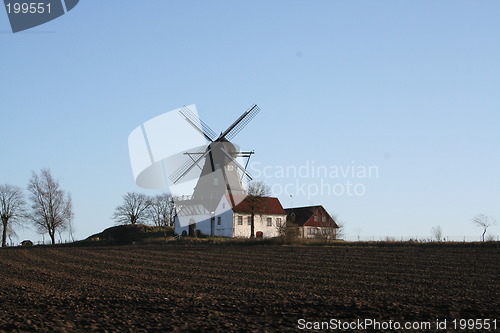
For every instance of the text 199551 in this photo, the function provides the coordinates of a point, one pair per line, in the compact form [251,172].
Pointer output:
[474,324]
[25,8]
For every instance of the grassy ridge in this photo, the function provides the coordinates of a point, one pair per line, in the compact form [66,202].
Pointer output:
[128,234]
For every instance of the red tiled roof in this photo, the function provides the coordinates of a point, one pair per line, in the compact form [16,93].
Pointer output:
[303,216]
[265,205]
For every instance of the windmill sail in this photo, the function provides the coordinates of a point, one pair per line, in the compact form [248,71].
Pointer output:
[240,123]
[198,124]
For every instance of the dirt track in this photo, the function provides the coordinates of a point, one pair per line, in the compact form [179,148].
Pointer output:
[241,288]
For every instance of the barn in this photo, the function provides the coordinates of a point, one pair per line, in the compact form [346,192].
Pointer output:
[312,221]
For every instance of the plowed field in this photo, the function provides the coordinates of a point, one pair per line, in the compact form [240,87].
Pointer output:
[242,288]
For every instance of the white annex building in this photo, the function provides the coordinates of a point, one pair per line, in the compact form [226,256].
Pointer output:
[236,221]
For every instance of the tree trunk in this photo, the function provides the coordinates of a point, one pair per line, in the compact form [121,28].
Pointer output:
[252,226]
[4,234]
[52,237]
[484,232]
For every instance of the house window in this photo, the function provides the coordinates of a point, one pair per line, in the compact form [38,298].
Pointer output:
[269,221]
[223,205]
[219,220]
[249,220]
[323,218]
[278,221]
[240,220]
[315,218]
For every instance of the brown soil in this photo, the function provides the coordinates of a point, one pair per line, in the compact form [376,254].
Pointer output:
[241,288]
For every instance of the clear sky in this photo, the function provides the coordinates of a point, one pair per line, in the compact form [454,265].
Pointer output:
[409,88]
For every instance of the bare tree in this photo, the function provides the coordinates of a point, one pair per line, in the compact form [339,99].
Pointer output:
[52,207]
[10,234]
[490,238]
[257,191]
[287,231]
[325,235]
[437,233]
[134,210]
[340,233]
[329,233]
[484,222]
[12,208]
[71,230]
[162,210]
[281,229]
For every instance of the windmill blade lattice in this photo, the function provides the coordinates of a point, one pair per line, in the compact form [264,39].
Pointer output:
[188,165]
[240,123]
[198,124]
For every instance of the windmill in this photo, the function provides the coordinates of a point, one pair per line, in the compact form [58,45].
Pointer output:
[221,174]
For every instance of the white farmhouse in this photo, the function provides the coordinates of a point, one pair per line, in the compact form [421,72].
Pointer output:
[228,221]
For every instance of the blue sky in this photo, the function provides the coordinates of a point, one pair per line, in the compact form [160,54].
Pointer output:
[409,87]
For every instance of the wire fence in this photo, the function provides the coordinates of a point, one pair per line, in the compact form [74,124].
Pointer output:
[361,238]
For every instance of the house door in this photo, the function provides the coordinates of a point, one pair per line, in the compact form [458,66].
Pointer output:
[192,228]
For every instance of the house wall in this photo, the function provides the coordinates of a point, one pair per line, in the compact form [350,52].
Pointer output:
[224,211]
[203,222]
[260,224]
[309,232]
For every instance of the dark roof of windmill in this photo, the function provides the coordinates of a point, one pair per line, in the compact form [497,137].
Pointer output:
[266,205]
[303,214]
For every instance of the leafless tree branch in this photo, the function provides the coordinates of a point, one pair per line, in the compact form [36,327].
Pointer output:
[162,210]
[52,207]
[12,209]
[133,210]
[484,222]
[257,190]
[437,233]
